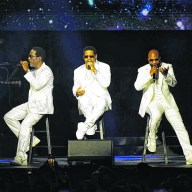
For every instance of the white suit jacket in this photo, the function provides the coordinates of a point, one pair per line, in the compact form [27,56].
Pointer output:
[40,98]
[144,82]
[98,83]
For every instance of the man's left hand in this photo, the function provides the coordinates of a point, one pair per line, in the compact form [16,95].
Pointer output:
[164,71]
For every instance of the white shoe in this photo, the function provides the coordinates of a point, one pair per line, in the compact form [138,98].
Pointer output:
[151,145]
[81,130]
[189,162]
[91,130]
[35,142]
[19,161]
[189,159]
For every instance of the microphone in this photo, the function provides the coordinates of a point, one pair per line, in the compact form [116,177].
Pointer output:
[154,77]
[89,67]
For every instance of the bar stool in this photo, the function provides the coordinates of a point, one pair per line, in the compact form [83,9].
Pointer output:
[47,131]
[146,139]
[100,124]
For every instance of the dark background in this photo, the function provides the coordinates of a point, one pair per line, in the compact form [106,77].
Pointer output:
[124,51]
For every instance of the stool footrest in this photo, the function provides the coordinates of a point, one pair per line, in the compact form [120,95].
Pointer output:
[146,139]
[48,140]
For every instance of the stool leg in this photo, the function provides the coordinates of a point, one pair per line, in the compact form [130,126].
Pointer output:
[30,147]
[145,141]
[101,127]
[48,136]
[164,147]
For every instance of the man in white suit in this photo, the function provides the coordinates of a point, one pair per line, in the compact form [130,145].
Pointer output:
[154,79]
[91,81]
[40,102]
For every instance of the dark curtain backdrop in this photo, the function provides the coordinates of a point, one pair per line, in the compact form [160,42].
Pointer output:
[124,51]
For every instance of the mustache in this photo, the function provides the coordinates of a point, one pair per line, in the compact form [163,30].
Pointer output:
[156,65]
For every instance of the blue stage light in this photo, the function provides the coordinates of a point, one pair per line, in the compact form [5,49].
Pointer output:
[91,3]
[134,157]
[146,9]
[50,21]
[180,25]
[5,161]
[144,12]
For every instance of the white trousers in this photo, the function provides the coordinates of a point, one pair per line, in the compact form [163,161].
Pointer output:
[156,110]
[22,129]
[92,108]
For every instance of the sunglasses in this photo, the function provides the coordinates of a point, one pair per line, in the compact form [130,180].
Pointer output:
[87,56]
[156,59]
[31,56]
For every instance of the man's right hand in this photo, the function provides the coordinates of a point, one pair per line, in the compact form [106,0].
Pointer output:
[24,65]
[153,70]
[80,92]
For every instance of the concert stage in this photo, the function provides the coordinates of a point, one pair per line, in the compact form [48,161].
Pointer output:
[84,158]
[130,161]
[121,151]
[150,174]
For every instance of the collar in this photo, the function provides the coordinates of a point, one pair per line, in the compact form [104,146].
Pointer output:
[42,66]
[96,64]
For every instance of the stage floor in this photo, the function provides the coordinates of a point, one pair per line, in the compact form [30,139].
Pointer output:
[152,160]
[151,173]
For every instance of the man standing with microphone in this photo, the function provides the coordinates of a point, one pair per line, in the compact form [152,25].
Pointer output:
[154,79]
[91,82]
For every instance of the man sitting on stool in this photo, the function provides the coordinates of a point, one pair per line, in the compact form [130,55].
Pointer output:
[154,79]
[40,102]
[91,81]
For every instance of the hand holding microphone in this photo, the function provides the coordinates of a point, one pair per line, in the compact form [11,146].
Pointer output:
[91,66]
[25,65]
[154,71]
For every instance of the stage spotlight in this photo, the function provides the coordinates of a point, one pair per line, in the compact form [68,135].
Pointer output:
[50,21]
[180,25]
[144,12]
[91,3]
[146,9]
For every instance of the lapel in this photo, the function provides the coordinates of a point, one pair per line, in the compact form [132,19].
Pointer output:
[161,77]
[86,77]
[148,67]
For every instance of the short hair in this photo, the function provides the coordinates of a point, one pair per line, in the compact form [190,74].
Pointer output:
[90,48]
[40,52]
[154,50]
